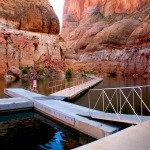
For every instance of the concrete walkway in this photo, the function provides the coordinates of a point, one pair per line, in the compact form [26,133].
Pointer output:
[125,118]
[72,92]
[133,138]
[66,113]
[14,103]
[22,93]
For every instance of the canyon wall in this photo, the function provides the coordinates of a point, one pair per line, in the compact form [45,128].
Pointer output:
[108,36]
[33,15]
[28,33]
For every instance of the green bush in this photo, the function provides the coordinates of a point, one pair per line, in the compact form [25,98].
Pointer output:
[87,72]
[40,72]
[25,69]
[69,73]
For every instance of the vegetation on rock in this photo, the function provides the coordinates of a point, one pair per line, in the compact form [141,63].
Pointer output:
[25,69]
[40,71]
[68,73]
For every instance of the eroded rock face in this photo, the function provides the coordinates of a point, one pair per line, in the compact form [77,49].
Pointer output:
[77,10]
[94,29]
[122,62]
[14,71]
[33,15]
[21,48]
[28,34]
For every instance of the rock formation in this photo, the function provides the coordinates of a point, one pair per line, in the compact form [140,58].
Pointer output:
[108,36]
[16,72]
[28,32]
[33,15]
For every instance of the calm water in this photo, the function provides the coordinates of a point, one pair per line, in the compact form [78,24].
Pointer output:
[32,131]
[42,85]
[109,82]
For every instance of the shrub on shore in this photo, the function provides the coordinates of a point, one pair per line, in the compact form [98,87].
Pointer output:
[87,71]
[40,71]
[68,73]
[25,69]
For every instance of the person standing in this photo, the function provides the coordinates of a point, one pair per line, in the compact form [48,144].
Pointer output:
[33,76]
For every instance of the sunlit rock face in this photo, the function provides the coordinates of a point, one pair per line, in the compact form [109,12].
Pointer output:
[103,34]
[33,15]
[22,48]
[106,7]
[28,33]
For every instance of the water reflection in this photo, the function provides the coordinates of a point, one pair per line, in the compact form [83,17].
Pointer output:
[42,85]
[45,86]
[23,131]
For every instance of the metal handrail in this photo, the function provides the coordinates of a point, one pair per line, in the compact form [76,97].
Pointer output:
[119,93]
[65,84]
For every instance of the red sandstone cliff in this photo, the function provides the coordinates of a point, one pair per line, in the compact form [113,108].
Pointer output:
[33,15]
[108,35]
[28,33]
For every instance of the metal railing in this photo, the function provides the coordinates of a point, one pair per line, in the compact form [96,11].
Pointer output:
[59,85]
[121,96]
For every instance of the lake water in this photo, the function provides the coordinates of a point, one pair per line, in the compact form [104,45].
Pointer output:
[29,130]
[42,85]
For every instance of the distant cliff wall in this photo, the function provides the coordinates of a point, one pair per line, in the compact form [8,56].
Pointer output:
[108,33]
[33,15]
[28,33]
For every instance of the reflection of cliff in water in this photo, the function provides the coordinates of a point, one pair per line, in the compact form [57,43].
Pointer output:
[25,84]
[42,85]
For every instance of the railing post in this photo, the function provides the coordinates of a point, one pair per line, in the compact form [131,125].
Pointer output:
[133,99]
[69,91]
[89,103]
[55,86]
[103,100]
[120,101]
[117,100]
[74,88]
[141,102]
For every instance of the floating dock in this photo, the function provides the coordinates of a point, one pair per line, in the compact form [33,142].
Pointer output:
[65,112]
[132,138]
[124,118]
[14,103]
[135,137]
[74,91]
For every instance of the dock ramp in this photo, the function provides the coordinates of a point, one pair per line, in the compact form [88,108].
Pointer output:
[124,118]
[115,99]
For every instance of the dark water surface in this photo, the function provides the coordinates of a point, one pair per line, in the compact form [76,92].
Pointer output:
[31,131]
[110,82]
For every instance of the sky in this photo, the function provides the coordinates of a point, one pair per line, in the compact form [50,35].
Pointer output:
[58,8]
